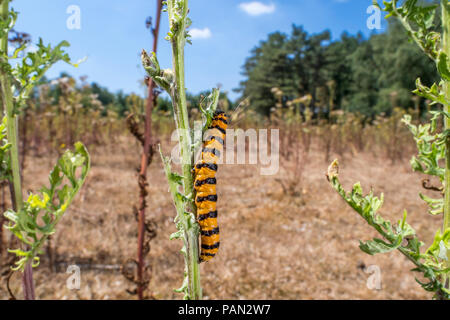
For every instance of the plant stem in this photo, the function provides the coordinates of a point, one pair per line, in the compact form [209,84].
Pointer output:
[27,283]
[446,49]
[12,125]
[412,33]
[187,155]
[145,160]
[12,119]
[2,219]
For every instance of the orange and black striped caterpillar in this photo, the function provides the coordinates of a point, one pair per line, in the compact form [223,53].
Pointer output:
[205,186]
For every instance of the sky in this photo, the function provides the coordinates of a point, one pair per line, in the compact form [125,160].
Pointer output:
[112,34]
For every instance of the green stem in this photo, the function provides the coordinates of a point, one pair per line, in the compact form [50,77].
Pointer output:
[411,256]
[12,119]
[412,33]
[446,49]
[12,132]
[178,39]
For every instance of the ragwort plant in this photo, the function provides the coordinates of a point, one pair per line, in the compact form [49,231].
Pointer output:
[173,82]
[433,148]
[295,142]
[32,220]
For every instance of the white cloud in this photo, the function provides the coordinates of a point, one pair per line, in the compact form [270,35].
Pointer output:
[256,8]
[200,33]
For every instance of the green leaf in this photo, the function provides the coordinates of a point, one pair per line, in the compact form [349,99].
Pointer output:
[176,178]
[442,66]
[435,93]
[5,146]
[176,235]
[431,148]
[54,201]
[435,248]
[29,70]
[436,205]
[431,264]
[379,246]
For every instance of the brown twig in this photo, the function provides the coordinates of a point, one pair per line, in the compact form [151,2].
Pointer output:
[8,279]
[129,271]
[426,184]
[2,218]
[147,156]
[133,127]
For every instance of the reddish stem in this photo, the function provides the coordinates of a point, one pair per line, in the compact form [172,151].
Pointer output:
[27,283]
[148,145]
[2,217]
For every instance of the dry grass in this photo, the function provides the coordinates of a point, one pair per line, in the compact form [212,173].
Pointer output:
[273,246]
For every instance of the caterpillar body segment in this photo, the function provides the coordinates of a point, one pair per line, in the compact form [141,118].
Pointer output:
[205,186]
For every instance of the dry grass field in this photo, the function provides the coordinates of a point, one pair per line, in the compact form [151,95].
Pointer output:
[272,246]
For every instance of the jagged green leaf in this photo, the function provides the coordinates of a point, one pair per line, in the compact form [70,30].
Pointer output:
[25,224]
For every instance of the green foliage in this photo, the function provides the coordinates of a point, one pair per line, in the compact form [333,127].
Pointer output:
[431,148]
[418,20]
[5,146]
[173,82]
[40,213]
[366,71]
[432,145]
[178,20]
[268,67]
[26,72]
[208,106]
[400,236]
[435,93]
[6,25]
[34,220]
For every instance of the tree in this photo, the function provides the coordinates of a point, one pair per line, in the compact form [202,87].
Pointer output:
[365,74]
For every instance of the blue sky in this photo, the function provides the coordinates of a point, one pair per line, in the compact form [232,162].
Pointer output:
[113,33]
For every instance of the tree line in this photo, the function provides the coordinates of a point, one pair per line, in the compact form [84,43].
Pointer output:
[370,75]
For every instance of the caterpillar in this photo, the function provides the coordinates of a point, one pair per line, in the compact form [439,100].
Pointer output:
[205,186]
